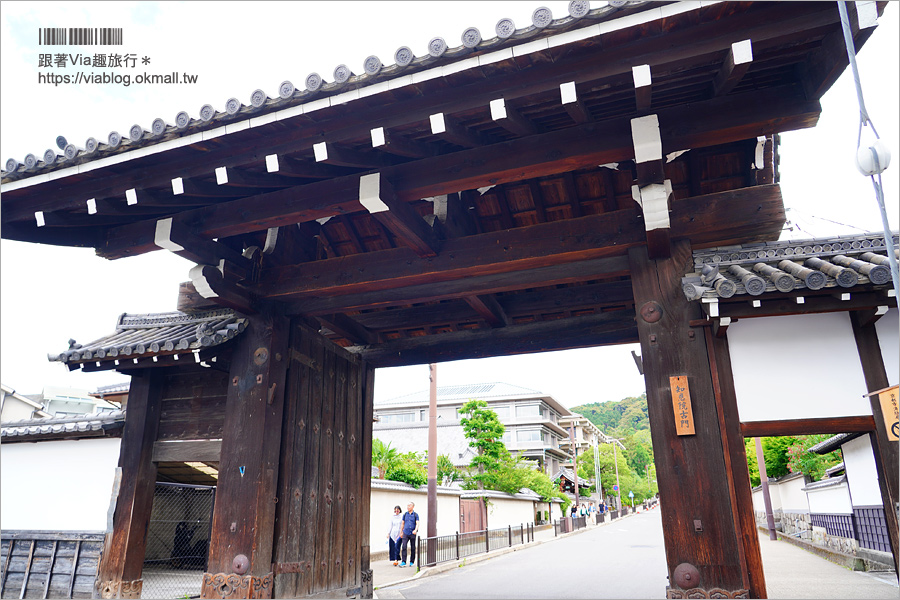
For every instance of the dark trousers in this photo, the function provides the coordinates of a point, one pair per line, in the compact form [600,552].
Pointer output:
[394,549]
[411,539]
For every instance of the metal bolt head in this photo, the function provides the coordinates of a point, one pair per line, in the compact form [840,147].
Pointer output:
[686,576]
[651,312]
[240,564]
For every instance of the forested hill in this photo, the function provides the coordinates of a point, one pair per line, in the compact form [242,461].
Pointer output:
[625,416]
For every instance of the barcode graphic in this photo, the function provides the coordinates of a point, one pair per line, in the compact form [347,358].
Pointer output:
[80,36]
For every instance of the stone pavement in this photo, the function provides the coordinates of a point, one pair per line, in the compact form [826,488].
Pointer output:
[790,571]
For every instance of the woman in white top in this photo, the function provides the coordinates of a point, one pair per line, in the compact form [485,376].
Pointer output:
[396,527]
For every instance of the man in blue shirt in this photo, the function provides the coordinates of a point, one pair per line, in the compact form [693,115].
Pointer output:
[410,530]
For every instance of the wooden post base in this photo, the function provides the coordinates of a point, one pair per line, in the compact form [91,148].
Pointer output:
[701,593]
[232,585]
[121,589]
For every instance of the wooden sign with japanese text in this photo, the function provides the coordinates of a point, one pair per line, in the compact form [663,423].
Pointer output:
[889,410]
[681,403]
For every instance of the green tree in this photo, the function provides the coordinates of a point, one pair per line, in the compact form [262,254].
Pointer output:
[447,473]
[485,433]
[409,468]
[383,456]
[752,464]
[813,465]
[775,453]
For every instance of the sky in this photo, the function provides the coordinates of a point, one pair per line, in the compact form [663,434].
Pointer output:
[49,295]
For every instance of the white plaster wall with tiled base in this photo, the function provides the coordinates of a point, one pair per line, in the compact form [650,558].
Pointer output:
[63,485]
[797,367]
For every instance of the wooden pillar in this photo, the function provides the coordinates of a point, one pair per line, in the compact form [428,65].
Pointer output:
[711,543]
[322,517]
[240,550]
[119,572]
[886,459]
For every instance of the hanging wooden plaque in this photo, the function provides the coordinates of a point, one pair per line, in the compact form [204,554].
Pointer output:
[891,413]
[681,403]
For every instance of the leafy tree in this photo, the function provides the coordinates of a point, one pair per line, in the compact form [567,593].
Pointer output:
[485,433]
[752,464]
[447,473]
[383,457]
[409,468]
[775,452]
[813,465]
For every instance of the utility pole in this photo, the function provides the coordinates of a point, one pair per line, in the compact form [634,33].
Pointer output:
[597,473]
[764,478]
[618,485]
[574,461]
[432,462]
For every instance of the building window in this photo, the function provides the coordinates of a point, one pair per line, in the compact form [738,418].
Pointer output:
[397,418]
[502,412]
[528,410]
[528,435]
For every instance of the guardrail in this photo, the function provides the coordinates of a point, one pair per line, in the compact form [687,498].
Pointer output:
[433,550]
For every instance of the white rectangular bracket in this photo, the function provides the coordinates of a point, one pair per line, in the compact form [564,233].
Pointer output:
[163,235]
[647,141]
[272,163]
[370,193]
[177,186]
[567,92]
[321,151]
[131,196]
[437,123]
[221,175]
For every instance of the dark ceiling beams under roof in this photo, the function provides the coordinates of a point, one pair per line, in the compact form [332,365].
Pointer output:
[490,198]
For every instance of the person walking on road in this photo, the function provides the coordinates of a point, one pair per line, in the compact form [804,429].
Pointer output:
[410,531]
[394,531]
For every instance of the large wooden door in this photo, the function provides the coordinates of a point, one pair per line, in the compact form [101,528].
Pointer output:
[471,515]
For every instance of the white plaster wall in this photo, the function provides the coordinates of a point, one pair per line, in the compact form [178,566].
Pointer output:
[15,410]
[759,502]
[796,367]
[888,330]
[555,511]
[503,512]
[63,485]
[793,498]
[382,508]
[831,500]
[862,474]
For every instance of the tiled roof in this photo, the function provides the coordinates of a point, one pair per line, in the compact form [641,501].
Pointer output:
[317,91]
[854,261]
[159,334]
[69,427]
[115,388]
[834,443]
[466,392]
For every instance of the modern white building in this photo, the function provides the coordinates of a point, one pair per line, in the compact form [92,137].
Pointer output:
[532,421]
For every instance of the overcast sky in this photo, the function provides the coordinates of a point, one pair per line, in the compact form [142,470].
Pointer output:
[49,295]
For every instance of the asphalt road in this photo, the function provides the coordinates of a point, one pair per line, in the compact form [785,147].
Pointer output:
[624,559]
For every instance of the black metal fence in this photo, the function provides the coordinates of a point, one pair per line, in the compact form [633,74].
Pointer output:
[177,540]
[568,525]
[434,550]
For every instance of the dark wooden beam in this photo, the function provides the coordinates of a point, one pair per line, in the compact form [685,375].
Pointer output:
[189,299]
[488,309]
[643,88]
[335,154]
[192,187]
[288,245]
[609,183]
[776,305]
[174,236]
[347,328]
[579,332]
[763,22]
[378,196]
[887,461]
[245,179]
[509,118]
[451,130]
[537,198]
[293,167]
[736,64]
[244,513]
[807,426]
[716,121]
[669,349]
[574,105]
[571,191]
[345,221]
[454,215]
[211,284]
[121,564]
[187,451]
[518,249]
[387,141]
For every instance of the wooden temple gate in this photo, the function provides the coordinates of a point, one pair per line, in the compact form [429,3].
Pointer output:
[444,207]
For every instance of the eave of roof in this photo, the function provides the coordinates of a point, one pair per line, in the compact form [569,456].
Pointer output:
[108,424]
[159,334]
[834,443]
[544,33]
[785,267]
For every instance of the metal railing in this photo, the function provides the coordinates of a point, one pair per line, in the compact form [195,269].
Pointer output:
[434,550]
[568,524]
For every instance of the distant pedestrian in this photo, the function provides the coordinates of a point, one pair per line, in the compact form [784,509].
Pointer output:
[394,531]
[408,536]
